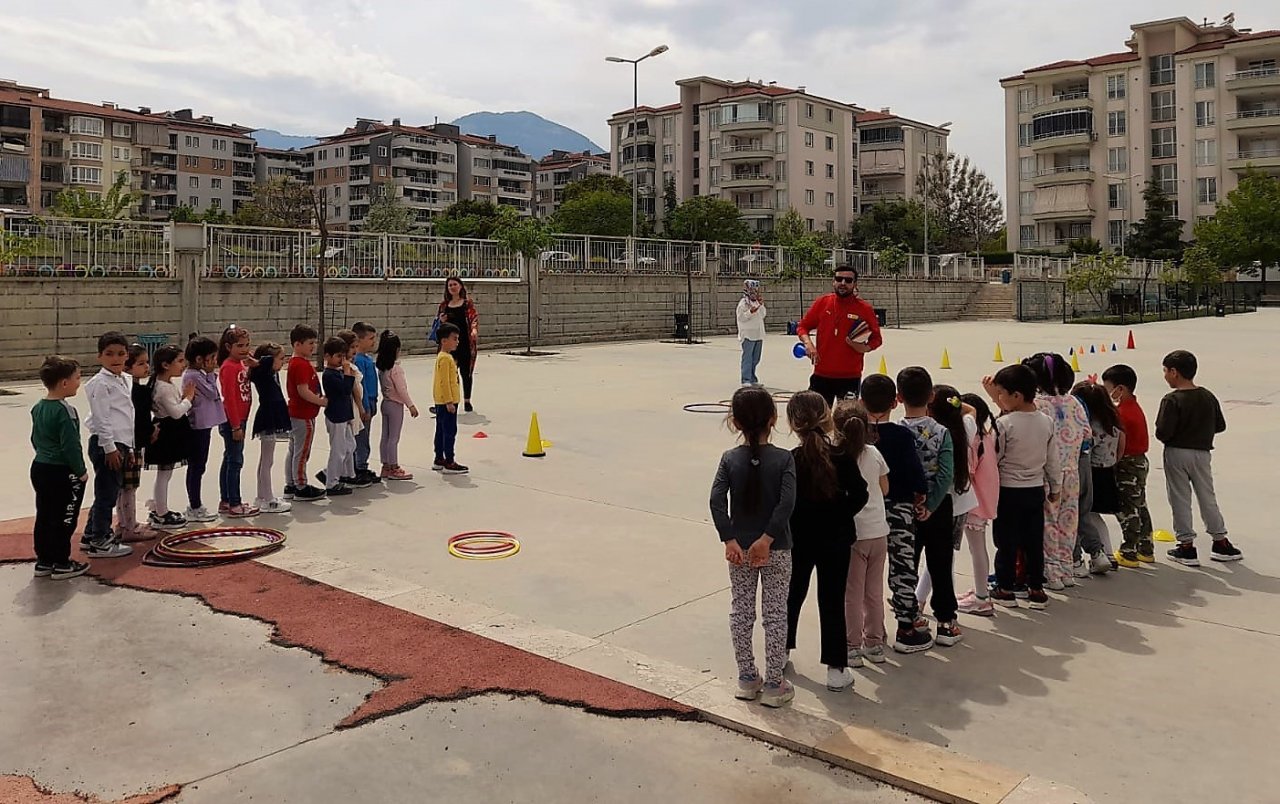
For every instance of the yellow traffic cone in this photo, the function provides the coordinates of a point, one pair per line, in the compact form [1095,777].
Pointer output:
[999,358]
[534,448]
[884,367]
[946,360]
[1075,361]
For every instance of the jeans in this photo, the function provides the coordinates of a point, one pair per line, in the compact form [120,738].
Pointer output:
[446,433]
[232,463]
[363,448]
[59,494]
[751,351]
[106,490]
[196,464]
[1019,527]
[832,388]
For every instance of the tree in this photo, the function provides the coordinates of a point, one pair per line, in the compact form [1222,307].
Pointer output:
[893,221]
[708,218]
[185,214]
[1199,268]
[669,200]
[1096,274]
[528,237]
[1245,231]
[893,257]
[388,213]
[596,183]
[282,202]
[598,213]
[1158,236]
[1084,245]
[467,219]
[964,205]
[113,205]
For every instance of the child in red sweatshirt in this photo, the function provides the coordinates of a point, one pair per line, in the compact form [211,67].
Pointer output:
[233,380]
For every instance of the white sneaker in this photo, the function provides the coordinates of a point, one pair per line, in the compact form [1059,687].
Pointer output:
[1100,564]
[108,549]
[200,514]
[875,654]
[1056,586]
[839,679]
[855,657]
[1080,569]
[1068,582]
[274,506]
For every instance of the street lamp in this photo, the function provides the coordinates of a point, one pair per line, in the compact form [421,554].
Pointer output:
[926,196]
[635,131]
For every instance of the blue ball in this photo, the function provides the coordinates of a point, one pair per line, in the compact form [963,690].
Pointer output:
[798,350]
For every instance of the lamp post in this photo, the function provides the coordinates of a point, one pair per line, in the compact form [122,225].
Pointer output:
[926,195]
[635,131]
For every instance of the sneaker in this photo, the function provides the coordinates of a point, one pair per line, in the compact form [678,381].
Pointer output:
[224,508]
[467,407]
[1100,564]
[978,606]
[839,679]
[308,493]
[1147,552]
[455,468]
[340,490]
[1080,569]
[1115,565]
[855,657]
[1127,559]
[274,506]
[1224,550]
[749,688]
[1020,591]
[437,465]
[1005,598]
[396,473]
[42,570]
[289,491]
[921,623]
[1069,582]
[168,521]
[356,482]
[108,549]
[911,640]
[948,634]
[369,477]
[1037,599]
[777,693]
[1185,554]
[875,654]
[321,476]
[1054,586]
[240,511]
[200,514]
[71,569]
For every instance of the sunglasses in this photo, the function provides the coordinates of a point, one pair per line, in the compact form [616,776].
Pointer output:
[845,280]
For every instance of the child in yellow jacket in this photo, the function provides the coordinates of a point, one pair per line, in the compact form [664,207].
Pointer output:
[448,395]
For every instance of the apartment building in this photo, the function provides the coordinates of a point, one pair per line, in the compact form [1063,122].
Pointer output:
[491,171]
[892,154]
[1189,105]
[559,169]
[763,147]
[215,163]
[276,163]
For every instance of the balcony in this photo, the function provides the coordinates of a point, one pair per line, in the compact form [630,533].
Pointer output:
[15,170]
[415,180]
[162,185]
[242,151]
[746,180]
[882,194]
[1064,141]
[358,156]
[1253,118]
[756,210]
[1067,100]
[358,178]
[735,153]
[1265,159]
[1065,174]
[1252,82]
[401,159]
[1065,212]
[164,163]
[242,189]
[749,124]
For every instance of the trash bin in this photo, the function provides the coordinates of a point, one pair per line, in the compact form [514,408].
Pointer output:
[792,327]
[1220,310]
[882,314]
[1006,276]
[682,325]
[153,341]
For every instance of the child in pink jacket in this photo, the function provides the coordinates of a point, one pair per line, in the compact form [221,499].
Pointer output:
[984,473]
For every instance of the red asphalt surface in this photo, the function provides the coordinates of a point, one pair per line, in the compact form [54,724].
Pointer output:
[417,659]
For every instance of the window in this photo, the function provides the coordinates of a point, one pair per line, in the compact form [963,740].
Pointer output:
[1163,106]
[193,181]
[715,176]
[808,167]
[121,153]
[1173,208]
[808,139]
[781,197]
[1115,233]
[196,142]
[1117,124]
[808,197]
[715,148]
[1164,143]
[1115,86]
[193,201]
[215,184]
[121,130]
[1206,152]
[831,171]
[484,163]
[808,110]
[219,164]
[780,113]
[1027,167]
[1207,190]
[780,144]
[1206,75]
[809,223]
[382,171]
[86,150]
[1117,196]
[831,116]
[831,143]
[382,150]
[1026,236]
[831,199]
[1026,202]
[1161,69]
[875,136]
[780,170]
[669,154]
[86,125]
[1065,123]
[1024,133]
[85,175]
[1205,113]
[190,161]
[215,203]
[1026,98]
[668,127]
[338,152]
[1117,160]
[1167,177]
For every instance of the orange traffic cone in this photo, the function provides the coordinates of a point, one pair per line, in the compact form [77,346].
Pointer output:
[534,447]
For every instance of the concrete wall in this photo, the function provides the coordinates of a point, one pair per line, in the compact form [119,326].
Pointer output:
[45,316]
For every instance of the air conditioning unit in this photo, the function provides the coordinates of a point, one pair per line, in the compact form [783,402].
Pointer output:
[1094,136]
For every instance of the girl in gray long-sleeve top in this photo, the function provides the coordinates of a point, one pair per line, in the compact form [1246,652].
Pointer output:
[751,501]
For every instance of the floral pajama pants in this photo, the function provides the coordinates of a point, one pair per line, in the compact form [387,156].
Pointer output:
[774,581]
[1061,524]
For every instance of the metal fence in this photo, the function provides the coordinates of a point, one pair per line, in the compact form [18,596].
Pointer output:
[68,248]
[1133,301]
[1035,266]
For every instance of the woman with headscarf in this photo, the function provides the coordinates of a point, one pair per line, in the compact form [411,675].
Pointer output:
[459,310]
[751,312]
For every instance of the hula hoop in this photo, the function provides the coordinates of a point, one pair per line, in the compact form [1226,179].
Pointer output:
[783,396]
[169,552]
[707,407]
[483,545]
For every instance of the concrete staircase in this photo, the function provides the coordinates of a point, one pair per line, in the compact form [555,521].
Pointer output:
[991,302]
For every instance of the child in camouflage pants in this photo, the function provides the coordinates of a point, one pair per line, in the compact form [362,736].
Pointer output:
[1131,470]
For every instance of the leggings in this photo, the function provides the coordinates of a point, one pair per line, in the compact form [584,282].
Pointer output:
[392,424]
[975,533]
[196,465]
[773,578]
[466,367]
[160,501]
[266,462]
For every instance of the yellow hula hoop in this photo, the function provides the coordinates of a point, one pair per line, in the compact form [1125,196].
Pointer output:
[483,545]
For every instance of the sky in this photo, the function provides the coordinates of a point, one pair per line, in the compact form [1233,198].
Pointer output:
[312,66]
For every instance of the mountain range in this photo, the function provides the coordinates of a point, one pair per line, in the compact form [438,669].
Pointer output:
[531,133]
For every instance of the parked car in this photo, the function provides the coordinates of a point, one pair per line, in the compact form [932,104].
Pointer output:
[556,256]
[760,259]
[641,260]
